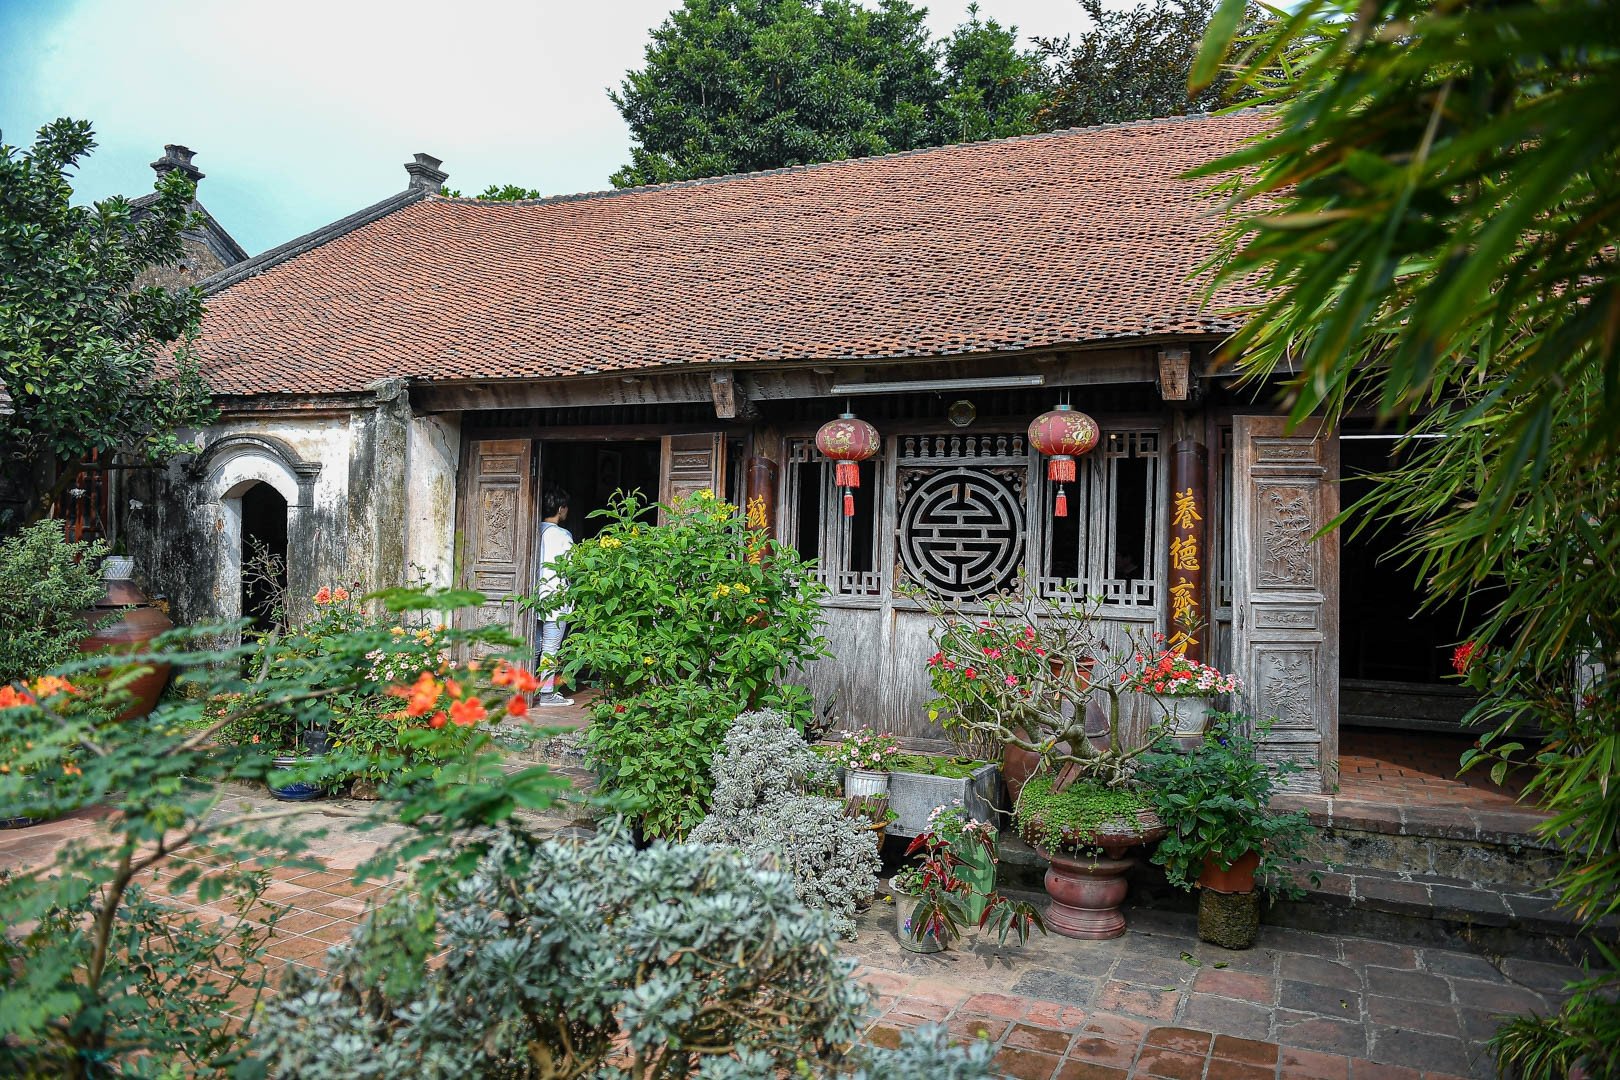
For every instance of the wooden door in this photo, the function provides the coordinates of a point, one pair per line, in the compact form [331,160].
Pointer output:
[1286,590]
[497,530]
[692,463]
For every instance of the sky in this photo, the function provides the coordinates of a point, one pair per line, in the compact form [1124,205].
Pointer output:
[303,111]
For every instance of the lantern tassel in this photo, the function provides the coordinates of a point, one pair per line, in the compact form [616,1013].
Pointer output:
[1061,470]
[849,504]
[1061,507]
[849,474]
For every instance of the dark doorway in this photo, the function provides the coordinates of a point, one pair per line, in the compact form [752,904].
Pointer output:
[591,472]
[1395,652]
[264,556]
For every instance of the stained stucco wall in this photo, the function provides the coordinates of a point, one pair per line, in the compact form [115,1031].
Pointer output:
[370,491]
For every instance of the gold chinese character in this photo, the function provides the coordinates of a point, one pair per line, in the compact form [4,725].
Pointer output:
[1186,510]
[1181,642]
[1183,602]
[1184,554]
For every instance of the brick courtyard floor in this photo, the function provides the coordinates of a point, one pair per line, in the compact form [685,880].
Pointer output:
[1153,1003]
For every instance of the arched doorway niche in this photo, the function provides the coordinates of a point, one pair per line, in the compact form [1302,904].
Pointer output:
[236,471]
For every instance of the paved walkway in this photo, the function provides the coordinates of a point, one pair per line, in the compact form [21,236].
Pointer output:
[1153,1003]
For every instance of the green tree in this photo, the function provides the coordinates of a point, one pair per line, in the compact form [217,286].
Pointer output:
[1133,64]
[498,193]
[79,343]
[1436,214]
[741,85]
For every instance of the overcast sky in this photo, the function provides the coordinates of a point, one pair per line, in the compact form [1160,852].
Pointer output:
[302,111]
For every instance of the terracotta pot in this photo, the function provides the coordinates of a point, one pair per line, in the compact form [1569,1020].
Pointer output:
[133,632]
[1086,893]
[1236,878]
[1017,766]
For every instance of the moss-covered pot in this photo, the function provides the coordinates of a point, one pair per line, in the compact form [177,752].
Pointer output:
[1230,920]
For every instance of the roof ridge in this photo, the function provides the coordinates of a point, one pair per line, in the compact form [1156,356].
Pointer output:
[783,170]
[309,241]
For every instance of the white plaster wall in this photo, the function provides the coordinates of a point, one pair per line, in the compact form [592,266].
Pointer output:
[432,456]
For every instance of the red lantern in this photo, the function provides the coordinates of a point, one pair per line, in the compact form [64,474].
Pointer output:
[849,442]
[1062,435]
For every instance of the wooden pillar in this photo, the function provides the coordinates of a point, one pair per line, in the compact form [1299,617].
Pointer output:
[1189,550]
[759,498]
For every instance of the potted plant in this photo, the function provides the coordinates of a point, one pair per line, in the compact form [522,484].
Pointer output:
[873,811]
[864,755]
[1222,836]
[974,844]
[1183,690]
[933,900]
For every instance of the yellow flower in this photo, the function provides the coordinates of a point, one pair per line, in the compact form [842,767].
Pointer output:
[612,542]
[742,590]
[647,660]
[397,631]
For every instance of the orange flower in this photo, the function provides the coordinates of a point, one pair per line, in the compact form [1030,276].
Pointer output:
[437,720]
[502,675]
[50,685]
[70,769]
[340,594]
[454,688]
[467,712]
[420,696]
[518,706]
[12,698]
[324,596]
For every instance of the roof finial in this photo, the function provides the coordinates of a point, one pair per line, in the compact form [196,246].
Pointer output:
[425,174]
[177,158]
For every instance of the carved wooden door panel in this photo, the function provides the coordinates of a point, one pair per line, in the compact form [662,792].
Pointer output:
[1286,590]
[692,463]
[497,528]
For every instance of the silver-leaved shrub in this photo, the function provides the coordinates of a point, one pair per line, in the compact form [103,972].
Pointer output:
[763,806]
[593,960]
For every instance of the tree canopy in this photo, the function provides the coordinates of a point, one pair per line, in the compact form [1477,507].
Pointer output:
[1436,215]
[1133,64]
[742,85]
[79,342]
[498,193]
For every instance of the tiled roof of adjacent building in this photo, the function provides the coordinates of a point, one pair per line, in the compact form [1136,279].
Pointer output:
[1074,237]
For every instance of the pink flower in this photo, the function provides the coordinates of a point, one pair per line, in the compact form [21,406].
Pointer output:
[1012,680]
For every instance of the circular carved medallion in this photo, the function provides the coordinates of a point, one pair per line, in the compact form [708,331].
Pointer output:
[962,532]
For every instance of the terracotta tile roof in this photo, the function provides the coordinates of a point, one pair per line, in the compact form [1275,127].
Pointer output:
[1073,237]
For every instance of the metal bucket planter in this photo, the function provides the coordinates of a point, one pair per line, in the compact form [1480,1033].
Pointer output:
[865,782]
[905,906]
[913,796]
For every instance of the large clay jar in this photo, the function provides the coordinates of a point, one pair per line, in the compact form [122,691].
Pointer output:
[139,624]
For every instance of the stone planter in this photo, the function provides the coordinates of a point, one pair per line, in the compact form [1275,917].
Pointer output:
[865,782]
[905,905]
[913,796]
[1087,890]
[1230,920]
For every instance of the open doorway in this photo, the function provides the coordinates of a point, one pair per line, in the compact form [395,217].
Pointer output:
[264,555]
[1395,653]
[591,472]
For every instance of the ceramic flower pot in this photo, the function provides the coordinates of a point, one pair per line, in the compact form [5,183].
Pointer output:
[905,906]
[290,790]
[134,631]
[1188,717]
[865,782]
[1234,877]
[1088,889]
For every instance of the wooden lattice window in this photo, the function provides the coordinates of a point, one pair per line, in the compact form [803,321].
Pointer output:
[845,548]
[961,524]
[1110,542]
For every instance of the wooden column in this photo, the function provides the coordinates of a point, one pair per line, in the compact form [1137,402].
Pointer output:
[1189,550]
[759,494]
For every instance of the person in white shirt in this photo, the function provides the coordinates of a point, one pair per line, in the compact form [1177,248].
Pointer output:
[554,541]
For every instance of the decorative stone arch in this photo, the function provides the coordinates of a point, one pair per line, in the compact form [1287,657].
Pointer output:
[225,470]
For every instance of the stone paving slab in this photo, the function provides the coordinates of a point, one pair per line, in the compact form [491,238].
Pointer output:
[1152,1003]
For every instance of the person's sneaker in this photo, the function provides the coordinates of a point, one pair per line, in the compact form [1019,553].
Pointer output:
[553,701]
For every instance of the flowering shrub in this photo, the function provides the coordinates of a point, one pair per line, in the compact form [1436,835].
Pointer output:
[1169,674]
[691,599]
[763,776]
[865,749]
